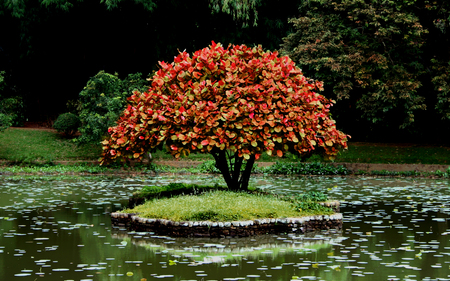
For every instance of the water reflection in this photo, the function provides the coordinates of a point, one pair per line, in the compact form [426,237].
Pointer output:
[221,250]
[59,229]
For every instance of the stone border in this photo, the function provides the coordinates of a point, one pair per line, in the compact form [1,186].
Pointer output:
[226,229]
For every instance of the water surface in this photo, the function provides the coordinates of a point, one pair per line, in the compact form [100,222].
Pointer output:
[59,229]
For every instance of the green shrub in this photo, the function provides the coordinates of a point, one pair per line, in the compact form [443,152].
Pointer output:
[209,167]
[12,111]
[314,168]
[11,108]
[67,123]
[102,102]
[311,196]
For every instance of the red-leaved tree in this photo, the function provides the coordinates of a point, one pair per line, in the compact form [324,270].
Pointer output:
[234,103]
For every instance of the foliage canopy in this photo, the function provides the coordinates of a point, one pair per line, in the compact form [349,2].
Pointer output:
[234,103]
[362,48]
[102,101]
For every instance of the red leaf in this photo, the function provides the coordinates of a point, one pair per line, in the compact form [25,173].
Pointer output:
[197,74]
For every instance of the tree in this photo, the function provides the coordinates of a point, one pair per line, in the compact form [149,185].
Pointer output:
[102,101]
[234,103]
[239,9]
[38,29]
[379,57]
[5,119]
[367,50]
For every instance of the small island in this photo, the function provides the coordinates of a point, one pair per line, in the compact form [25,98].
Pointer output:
[182,210]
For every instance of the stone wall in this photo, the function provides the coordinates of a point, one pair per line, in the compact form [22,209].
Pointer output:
[226,229]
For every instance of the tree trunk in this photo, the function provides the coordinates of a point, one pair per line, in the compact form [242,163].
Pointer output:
[245,176]
[231,172]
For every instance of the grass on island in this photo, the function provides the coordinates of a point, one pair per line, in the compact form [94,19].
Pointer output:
[222,205]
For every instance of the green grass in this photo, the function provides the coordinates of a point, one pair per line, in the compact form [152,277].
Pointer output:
[221,206]
[28,146]
[44,146]
[395,154]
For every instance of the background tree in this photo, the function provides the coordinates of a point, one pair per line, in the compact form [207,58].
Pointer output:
[234,103]
[102,101]
[5,120]
[377,58]
[66,36]
[11,107]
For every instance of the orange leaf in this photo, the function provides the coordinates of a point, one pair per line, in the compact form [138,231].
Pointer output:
[197,74]
[205,142]
[280,153]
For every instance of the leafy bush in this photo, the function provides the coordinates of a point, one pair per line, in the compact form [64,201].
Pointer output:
[103,101]
[11,112]
[11,108]
[67,123]
[209,167]
[395,173]
[311,196]
[173,189]
[314,168]
[312,207]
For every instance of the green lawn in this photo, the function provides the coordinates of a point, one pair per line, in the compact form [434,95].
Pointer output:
[395,154]
[28,145]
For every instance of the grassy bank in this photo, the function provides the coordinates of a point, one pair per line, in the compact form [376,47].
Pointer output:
[395,154]
[19,145]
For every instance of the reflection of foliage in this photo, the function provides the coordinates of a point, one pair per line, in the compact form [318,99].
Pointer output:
[246,247]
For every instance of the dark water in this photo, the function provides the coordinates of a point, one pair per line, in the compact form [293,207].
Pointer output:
[59,229]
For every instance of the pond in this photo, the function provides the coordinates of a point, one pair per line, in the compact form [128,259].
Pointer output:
[59,229]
